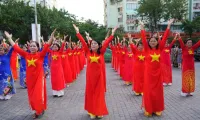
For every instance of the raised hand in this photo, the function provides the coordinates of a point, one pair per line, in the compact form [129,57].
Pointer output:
[141,25]
[87,34]
[9,36]
[16,41]
[107,35]
[76,28]
[114,30]
[170,23]
[52,38]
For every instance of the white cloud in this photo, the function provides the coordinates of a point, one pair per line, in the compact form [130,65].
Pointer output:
[88,9]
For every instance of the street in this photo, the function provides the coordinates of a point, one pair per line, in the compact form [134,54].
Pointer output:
[121,102]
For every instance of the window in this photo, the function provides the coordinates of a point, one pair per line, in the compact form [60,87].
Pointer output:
[131,6]
[131,28]
[120,19]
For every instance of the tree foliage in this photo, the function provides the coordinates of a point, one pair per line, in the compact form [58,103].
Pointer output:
[153,11]
[17,17]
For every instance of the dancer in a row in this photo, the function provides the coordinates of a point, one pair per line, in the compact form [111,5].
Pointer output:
[95,102]
[35,79]
[153,98]
[7,88]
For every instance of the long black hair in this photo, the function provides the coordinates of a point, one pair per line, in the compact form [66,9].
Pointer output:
[139,43]
[99,49]
[56,44]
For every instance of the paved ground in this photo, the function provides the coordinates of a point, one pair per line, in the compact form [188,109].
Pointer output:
[121,102]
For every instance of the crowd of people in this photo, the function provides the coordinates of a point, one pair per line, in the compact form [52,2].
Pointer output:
[145,63]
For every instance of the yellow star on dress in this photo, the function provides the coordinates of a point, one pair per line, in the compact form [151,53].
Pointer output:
[130,55]
[141,58]
[31,62]
[63,56]
[190,52]
[69,54]
[75,53]
[167,51]
[155,57]
[54,57]
[94,59]
[123,53]
[78,53]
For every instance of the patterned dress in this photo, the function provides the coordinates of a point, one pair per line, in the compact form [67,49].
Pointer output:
[6,79]
[23,72]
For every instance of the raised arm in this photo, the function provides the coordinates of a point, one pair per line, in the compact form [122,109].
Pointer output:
[15,46]
[108,40]
[173,41]
[133,48]
[46,46]
[195,46]
[81,38]
[166,34]
[181,43]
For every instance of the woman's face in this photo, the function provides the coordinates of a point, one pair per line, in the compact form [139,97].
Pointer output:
[153,42]
[24,48]
[189,43]
[94,46]
[166,44]
[55,48]
[140,47]
[33,47]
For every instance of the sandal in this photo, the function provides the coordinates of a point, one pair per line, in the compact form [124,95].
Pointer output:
[35,116]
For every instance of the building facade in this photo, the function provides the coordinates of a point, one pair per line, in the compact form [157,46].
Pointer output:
[194,9]
[122,13]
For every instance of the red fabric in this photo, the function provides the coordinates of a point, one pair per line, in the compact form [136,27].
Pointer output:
[153,98]
[66,68]
[122,62]
[79,53]
[188,70]
[36,83]
[13,65]
[138,77]
[95,83]
[128,67]
[166,64]
[57,75]
[72,63]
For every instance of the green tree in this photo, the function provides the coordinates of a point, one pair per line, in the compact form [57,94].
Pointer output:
[188,27]
[176,9]
[151,11]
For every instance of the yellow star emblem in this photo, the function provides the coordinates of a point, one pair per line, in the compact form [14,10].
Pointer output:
[167,51]
[54,57]
[63,56]
[155,57]
[94,59]
[69,54]
[123,53]
[190,52]
[31,62]
[130,55]
[75,53]
[78,53]
[141,57]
